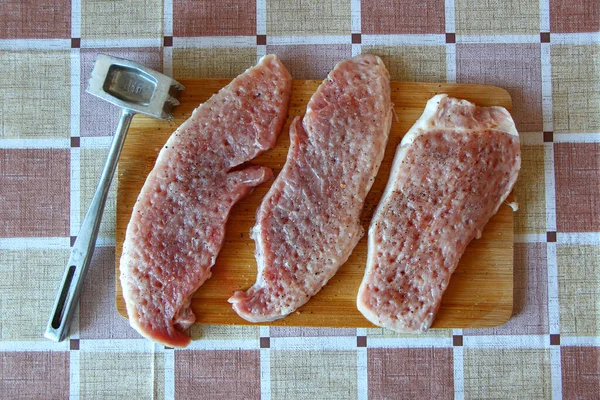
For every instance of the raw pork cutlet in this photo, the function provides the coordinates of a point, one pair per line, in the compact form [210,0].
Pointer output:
[178,223]
[308,223]
[452,171]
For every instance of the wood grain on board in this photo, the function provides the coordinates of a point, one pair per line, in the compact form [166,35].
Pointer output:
[480,293]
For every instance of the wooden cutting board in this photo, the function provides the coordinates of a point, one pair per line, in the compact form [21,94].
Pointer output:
[480,293]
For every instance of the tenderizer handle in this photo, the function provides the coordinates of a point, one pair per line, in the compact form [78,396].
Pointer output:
[83,248]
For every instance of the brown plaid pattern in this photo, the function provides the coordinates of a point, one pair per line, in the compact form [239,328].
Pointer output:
[54,137]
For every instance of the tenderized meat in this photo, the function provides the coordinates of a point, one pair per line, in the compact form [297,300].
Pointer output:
[308,223]
[452,171]
[178,223]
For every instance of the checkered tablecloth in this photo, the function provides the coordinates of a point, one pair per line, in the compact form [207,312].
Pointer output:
[54,137]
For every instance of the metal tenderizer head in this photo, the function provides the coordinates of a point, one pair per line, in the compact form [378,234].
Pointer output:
[135,87]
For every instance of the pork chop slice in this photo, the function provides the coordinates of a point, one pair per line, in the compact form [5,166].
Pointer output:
[178,223]
[308,223]
[452,171]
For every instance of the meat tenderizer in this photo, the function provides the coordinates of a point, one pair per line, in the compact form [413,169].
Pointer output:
[136,89]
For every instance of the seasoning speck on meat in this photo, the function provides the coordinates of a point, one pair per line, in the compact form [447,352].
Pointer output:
[452,171]
[178,223]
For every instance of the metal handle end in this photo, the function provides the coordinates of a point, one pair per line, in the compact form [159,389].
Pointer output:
[58,325]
